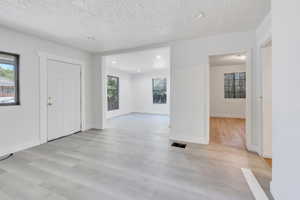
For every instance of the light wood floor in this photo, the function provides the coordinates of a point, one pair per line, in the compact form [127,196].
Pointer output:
[228,131]
[269,161]
[122,164]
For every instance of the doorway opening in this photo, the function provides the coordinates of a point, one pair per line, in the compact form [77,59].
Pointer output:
[137,90]
[228,81]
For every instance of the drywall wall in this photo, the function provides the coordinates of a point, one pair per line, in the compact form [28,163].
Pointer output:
[189,79]
[20,124]
[125,93]
[267,101]
[285,99]
[142,90]
[219,106]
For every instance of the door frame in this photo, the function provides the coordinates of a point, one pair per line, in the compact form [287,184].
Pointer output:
[43,91]
[261,45]
[249,66]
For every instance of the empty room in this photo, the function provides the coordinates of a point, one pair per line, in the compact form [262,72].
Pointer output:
[138,90]
[149,99]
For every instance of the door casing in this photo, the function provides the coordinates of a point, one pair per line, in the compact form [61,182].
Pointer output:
[43,121]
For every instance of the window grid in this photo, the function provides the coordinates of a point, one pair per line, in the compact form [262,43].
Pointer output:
[235,85]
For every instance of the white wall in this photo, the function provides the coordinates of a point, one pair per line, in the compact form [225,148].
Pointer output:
[219,106]
[189,74]
[125,93]
[20,124]
[142,90]
[286,98]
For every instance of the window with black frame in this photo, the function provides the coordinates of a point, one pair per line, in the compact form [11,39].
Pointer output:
[112,93]
[9,79]
[235,85]
[159,90]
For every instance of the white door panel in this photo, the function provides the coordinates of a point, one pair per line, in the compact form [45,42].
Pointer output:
[63,99]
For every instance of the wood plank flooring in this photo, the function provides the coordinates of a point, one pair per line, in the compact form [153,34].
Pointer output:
[228,131]
[269,161]
[117,164]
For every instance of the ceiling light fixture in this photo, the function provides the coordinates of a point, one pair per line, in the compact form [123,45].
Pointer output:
[158,57]
[200,15]
[90,37]
[114,62]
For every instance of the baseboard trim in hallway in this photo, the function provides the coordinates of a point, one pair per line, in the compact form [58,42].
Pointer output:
[254,186]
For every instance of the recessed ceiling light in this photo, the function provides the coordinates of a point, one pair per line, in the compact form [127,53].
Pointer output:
[138,70]
[158,57]
[90,37]
[114,62]
[200,15]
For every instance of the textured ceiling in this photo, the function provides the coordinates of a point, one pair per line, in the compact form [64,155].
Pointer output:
[103,25]
[141,61]
[228,59]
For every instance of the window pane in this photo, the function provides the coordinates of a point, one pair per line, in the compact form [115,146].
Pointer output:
[235,85]
[229,85]
[159,90]
[8,79]
[112,93]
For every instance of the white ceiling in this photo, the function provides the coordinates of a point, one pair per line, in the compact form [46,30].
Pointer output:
[228,59]
[103,25]
[141,61]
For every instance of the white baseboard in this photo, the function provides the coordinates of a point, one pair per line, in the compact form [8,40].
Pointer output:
[228,116]
[254,186]
[150,113]
[266,155]
[253,148]
[117,115]
[19,148]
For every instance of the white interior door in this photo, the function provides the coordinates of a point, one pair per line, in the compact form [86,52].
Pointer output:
[267,100]
[64,99]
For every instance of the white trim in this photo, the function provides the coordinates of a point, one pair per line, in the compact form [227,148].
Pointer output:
[253,148]
[249,64]
[261,44]
[44,57]
[249,132]
[228,115]
[266,155]
[103,80]
[207,104]
[254,186]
